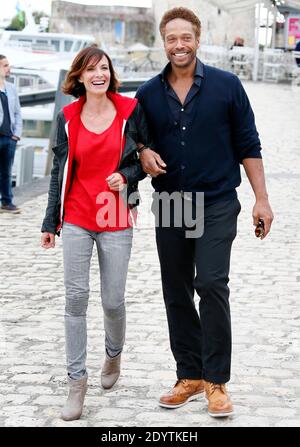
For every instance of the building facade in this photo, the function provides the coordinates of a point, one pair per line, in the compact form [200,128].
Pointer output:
[218,26]
[112,26]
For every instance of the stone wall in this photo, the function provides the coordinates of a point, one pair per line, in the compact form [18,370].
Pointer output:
[110,25]
[119,26]
[218,26]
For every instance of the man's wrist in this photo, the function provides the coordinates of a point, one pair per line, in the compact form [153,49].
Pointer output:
[142,148]
[262,197]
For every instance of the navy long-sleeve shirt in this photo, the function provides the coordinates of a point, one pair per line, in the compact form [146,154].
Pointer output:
[204,140]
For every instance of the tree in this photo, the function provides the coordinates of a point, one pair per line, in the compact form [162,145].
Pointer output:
[38,15]
[18,22]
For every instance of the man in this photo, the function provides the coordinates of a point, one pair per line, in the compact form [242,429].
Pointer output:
[203,128]
[10,133]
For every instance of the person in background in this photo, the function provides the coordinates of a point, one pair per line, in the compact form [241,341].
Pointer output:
[238,42]
[95,163]
[10,134]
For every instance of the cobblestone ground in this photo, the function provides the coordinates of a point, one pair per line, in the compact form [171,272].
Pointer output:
[265,277]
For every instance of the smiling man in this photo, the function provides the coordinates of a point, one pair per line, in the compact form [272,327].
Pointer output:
[203,129]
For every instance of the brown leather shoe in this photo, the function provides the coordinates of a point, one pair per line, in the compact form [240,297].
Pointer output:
[219,403]
[183,392]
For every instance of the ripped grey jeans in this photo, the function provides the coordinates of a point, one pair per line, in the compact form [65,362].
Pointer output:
[113,254]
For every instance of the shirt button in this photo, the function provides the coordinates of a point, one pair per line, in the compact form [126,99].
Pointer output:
[182,167]
[182,109]
[182,143]
[183,128]
[175,123]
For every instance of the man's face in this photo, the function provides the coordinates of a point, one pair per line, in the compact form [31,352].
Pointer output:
[180,43]
[4,68]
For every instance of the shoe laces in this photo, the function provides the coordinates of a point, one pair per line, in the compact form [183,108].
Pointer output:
[179,382]
[183,381]
[212,387]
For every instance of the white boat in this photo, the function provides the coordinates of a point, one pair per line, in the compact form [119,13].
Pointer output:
[36,57]
[44,43]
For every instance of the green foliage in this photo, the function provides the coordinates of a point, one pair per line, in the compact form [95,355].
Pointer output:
[37,16]
[18,22]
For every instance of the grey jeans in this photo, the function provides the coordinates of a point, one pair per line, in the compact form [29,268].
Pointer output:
[113,254]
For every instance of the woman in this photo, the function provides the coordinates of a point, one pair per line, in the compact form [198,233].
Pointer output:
[95,159]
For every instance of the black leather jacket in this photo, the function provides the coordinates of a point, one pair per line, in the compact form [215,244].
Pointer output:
[136,131]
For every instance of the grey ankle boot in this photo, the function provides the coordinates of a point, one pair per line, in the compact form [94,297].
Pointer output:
[73,407]
[110,371]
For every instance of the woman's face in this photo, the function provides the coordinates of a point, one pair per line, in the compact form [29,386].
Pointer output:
[96,77]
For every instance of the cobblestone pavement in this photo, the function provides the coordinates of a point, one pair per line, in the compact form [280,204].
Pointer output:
[265,277]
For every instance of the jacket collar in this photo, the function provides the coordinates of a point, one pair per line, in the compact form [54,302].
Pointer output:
[123,104]
[6,86]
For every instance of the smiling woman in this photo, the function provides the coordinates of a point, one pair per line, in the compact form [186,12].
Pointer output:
[84,66]
[95,159]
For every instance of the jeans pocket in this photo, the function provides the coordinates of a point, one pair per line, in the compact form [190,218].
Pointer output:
[13,143]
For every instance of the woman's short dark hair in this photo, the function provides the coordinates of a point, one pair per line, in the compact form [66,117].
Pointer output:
[89,55]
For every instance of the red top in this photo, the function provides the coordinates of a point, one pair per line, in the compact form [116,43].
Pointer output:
[89,202]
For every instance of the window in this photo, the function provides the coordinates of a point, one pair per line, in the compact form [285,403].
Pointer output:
[30,125]
[12,79]
[26,82]
[77,45]
[55,44]
[119,31]
[36,129]
[42,42]
[20,40]
[42,84]
[68,45]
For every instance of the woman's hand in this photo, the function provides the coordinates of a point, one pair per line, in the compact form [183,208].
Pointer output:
[48,240]
[116,182]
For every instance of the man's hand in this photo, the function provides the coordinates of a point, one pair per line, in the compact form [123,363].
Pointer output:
[48,240]
[15,138]
[116,182]
[152,163]
[262,210]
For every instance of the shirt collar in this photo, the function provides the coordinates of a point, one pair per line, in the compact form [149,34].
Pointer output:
[199,72]
[3,90]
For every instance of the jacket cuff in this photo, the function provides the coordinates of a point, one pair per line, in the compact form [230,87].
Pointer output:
[123,177]
[47,228]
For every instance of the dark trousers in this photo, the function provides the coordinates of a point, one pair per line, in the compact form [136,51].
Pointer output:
[201,345]
[7,155]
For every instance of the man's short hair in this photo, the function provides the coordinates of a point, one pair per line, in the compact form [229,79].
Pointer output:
[180,13]
[2,57]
